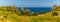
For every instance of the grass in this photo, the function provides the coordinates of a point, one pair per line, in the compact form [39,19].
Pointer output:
[43,19]
[15,18]
[35,19]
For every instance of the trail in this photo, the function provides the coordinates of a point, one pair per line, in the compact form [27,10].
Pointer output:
[5,21]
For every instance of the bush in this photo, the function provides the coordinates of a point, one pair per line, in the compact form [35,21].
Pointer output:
[54,13]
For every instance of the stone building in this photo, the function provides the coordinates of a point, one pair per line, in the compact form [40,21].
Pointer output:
[22,7]
[14,8]
[54,7]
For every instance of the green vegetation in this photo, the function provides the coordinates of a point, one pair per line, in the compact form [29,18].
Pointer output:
[45,19]
[55,14]
[13,15]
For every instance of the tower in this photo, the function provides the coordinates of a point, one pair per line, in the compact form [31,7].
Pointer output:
[14,8]
[22,7]
[54,7]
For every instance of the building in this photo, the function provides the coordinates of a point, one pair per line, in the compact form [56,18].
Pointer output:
[22,7]
[54,7]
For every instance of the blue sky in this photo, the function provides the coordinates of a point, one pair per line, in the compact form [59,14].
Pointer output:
[30,3]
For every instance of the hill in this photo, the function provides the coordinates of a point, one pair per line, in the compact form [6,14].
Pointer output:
[11,14]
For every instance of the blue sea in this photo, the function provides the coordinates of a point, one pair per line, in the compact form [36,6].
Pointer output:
[37,9]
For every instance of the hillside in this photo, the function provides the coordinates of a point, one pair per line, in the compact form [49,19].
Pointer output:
[11,14]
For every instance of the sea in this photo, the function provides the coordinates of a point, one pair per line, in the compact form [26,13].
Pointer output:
[37,9]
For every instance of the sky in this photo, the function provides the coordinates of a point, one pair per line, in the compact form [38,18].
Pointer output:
[30,3]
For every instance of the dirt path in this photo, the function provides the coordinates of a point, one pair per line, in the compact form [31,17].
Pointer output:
[5,21]
[8,21]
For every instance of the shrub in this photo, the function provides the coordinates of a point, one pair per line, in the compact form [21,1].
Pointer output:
[54,13]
